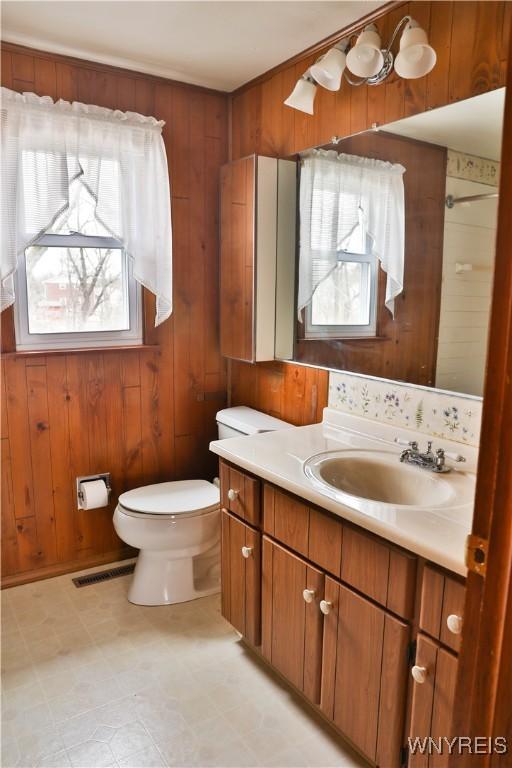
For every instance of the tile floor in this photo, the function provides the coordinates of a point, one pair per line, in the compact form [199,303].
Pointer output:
[91,681]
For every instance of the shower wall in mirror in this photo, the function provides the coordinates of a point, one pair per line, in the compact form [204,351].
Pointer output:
[359,244]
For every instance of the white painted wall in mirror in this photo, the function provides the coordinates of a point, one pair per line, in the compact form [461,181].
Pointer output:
[469,238]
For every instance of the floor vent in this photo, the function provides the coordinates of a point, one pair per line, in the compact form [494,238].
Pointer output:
[112,573]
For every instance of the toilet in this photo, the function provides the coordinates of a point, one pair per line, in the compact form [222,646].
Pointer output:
[176,526]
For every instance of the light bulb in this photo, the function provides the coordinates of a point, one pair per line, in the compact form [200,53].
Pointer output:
[303,95]
[416,57]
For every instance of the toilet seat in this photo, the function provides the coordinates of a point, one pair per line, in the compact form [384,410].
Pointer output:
[183,498]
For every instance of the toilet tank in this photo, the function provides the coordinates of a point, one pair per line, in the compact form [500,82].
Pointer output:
[241,420]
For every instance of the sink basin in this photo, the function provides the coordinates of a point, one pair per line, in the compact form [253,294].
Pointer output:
[378,476]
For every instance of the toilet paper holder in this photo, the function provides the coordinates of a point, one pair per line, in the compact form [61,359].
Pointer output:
[105,476]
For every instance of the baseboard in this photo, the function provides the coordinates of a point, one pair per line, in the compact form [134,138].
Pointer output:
[59,569]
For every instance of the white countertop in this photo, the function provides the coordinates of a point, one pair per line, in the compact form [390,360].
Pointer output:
[437,534]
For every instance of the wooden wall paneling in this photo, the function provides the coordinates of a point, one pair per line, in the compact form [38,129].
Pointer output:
[126,93]
[394,85]
[61,469]
[4,419]
[67,86]
[115,411]
[45,74]
[8,342]
[479,25]
[155,436]
[6,69]
[270,389]
[115,417]
[214,155]
[132,420]
[79,440]
[40,451]
[358,108]
[415,91]
[19,437]
[304,124]
[23,67]
[9,540]
[441,40]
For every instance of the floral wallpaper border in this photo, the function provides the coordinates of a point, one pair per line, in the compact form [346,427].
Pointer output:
[435,413]
[473,168]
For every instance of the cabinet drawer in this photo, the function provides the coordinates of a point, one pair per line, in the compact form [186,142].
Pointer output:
[241,577]
[384,573]
[286,519]
[442,606]
[240,494]
[311,532]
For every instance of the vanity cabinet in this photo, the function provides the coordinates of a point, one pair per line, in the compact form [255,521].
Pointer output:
[433,696]
[345,616]
[292,622]
[241,577]
[364,672]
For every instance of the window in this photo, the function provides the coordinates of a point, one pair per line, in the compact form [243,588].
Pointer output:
[74,286]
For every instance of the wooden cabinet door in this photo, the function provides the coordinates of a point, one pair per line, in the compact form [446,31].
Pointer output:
[237,213]
[432,702]
[291,619]
[240,494]
[364,673]
[241,577]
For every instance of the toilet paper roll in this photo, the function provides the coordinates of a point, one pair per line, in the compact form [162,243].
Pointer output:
[94,494]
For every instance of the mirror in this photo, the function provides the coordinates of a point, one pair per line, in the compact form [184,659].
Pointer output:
[394,270]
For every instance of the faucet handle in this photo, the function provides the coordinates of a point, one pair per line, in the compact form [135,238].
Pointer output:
[454,456]
[407,443]
[429,446]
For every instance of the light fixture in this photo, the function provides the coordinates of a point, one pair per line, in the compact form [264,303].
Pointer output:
[367,60]
[303,95]
[328,70]
[416,57]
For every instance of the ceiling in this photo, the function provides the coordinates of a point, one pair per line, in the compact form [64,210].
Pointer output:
[474,125]
[216,44]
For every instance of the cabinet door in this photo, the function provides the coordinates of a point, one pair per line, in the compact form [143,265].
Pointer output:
[364,673]
[241,577]
[432,701]
[237,211]
[292,620]
[240,494]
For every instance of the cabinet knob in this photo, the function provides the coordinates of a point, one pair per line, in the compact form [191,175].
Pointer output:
[454,623]
[419,673]
[246,552]
[325,606]
[308,595]
[232,495]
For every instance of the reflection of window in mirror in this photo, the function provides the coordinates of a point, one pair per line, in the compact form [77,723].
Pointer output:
[344,304]
[351,220]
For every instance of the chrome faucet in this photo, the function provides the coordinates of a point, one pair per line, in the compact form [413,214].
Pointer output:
[435,462]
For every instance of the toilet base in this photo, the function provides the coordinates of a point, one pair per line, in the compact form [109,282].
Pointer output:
[161,580]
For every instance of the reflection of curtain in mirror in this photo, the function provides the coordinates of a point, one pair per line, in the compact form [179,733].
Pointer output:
[344,199]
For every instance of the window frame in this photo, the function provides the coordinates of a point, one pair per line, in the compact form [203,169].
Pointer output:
[368,330]
[63,341]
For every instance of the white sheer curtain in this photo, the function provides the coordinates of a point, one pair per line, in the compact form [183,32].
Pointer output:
[118,156]
[338,194]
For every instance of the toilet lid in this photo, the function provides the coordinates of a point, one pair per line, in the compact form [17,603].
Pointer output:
[179,497]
